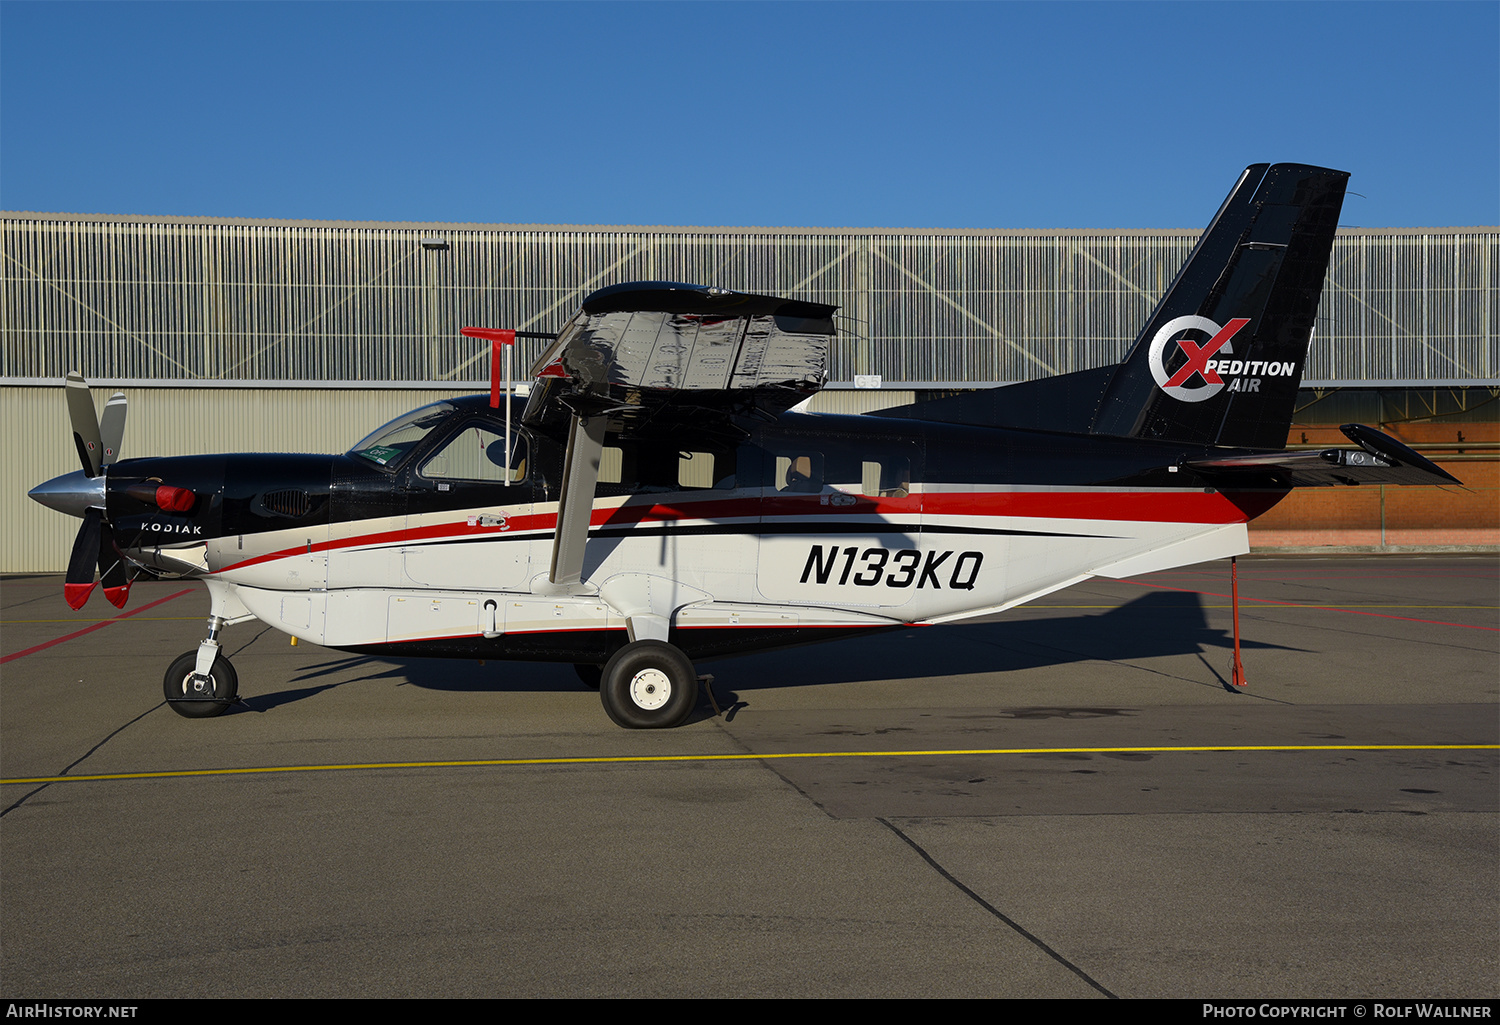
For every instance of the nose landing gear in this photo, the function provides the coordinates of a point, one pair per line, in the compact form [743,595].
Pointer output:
[200,697]
[201,684]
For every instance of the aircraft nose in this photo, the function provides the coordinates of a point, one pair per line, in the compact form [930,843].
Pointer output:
[72,493]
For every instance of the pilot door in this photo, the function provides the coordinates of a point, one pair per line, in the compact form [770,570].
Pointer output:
[468,512]
[841,523]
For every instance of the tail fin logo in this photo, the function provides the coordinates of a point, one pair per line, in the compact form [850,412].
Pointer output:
[1200,357]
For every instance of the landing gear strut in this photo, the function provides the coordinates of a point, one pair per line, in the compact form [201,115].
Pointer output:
[201,684]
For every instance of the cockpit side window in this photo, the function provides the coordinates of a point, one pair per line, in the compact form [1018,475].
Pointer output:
[477,453]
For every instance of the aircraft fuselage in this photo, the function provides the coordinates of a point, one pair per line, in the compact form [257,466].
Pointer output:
[804,529]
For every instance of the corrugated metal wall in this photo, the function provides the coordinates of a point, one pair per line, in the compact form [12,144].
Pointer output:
[260,301]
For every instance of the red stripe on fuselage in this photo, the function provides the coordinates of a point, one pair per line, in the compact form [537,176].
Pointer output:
[1164,506]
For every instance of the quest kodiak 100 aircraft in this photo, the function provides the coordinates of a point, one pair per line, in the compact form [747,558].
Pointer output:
[655,501]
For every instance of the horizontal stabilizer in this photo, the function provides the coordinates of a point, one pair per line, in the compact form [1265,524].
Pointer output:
[1380,459]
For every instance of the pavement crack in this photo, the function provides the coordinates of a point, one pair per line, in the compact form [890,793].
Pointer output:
[1016,926]
[770,766]
[82,758]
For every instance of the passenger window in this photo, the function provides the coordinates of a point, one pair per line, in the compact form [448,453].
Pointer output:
[477,453]
[800,473]
[654,466]
[611,465]
[890,477]
[695,469]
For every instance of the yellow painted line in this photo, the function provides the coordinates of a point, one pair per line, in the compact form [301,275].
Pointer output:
[640,759]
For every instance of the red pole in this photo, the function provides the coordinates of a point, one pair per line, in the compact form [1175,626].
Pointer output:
[497,338]
[495,374]
[1237,671]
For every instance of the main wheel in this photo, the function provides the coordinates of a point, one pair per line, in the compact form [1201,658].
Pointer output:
[200,699]
[589,674]
[649,685]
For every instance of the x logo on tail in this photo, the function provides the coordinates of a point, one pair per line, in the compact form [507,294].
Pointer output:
[1198,356]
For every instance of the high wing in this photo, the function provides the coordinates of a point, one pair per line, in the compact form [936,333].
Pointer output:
[652,357]
[1381,460]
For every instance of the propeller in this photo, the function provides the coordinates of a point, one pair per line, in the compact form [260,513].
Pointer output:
[98,444]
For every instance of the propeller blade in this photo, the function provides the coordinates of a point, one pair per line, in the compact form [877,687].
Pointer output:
[85,423]
[113,572]
[79,583]
[112,428]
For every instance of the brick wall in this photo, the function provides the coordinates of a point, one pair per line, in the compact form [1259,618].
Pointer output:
[1396,518]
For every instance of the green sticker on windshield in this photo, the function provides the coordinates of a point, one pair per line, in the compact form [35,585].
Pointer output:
[381,454]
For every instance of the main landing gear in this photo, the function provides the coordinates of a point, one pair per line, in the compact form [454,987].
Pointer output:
[648,685]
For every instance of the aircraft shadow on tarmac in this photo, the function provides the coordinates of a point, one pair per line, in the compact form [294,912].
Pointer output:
[1153,625]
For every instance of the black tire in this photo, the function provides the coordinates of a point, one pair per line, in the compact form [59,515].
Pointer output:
[187,699]
[649,685]
[589,673]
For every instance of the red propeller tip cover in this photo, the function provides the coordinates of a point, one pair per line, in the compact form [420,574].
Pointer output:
[77,595]
[117,596]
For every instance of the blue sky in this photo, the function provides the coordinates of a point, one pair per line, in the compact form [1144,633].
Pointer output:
[967,115]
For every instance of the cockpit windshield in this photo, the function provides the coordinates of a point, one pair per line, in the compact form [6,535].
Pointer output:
[386,445]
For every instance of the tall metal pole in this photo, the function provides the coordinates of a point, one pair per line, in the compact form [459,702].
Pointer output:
[1237,671]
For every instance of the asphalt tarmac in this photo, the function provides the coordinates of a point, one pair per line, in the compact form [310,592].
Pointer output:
[1065,800]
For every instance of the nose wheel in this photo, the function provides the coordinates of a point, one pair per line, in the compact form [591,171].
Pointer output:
[196,697]
[649,685]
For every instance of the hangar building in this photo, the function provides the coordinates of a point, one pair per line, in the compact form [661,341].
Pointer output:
[233,334]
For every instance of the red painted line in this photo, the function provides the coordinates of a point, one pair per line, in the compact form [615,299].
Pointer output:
[1326,608]
[94,626]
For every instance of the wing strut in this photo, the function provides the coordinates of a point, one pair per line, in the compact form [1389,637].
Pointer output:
[576,504]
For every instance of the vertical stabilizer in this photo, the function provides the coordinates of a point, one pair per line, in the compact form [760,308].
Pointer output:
[1220,359]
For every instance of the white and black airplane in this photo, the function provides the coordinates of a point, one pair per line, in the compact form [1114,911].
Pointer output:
[656,502]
